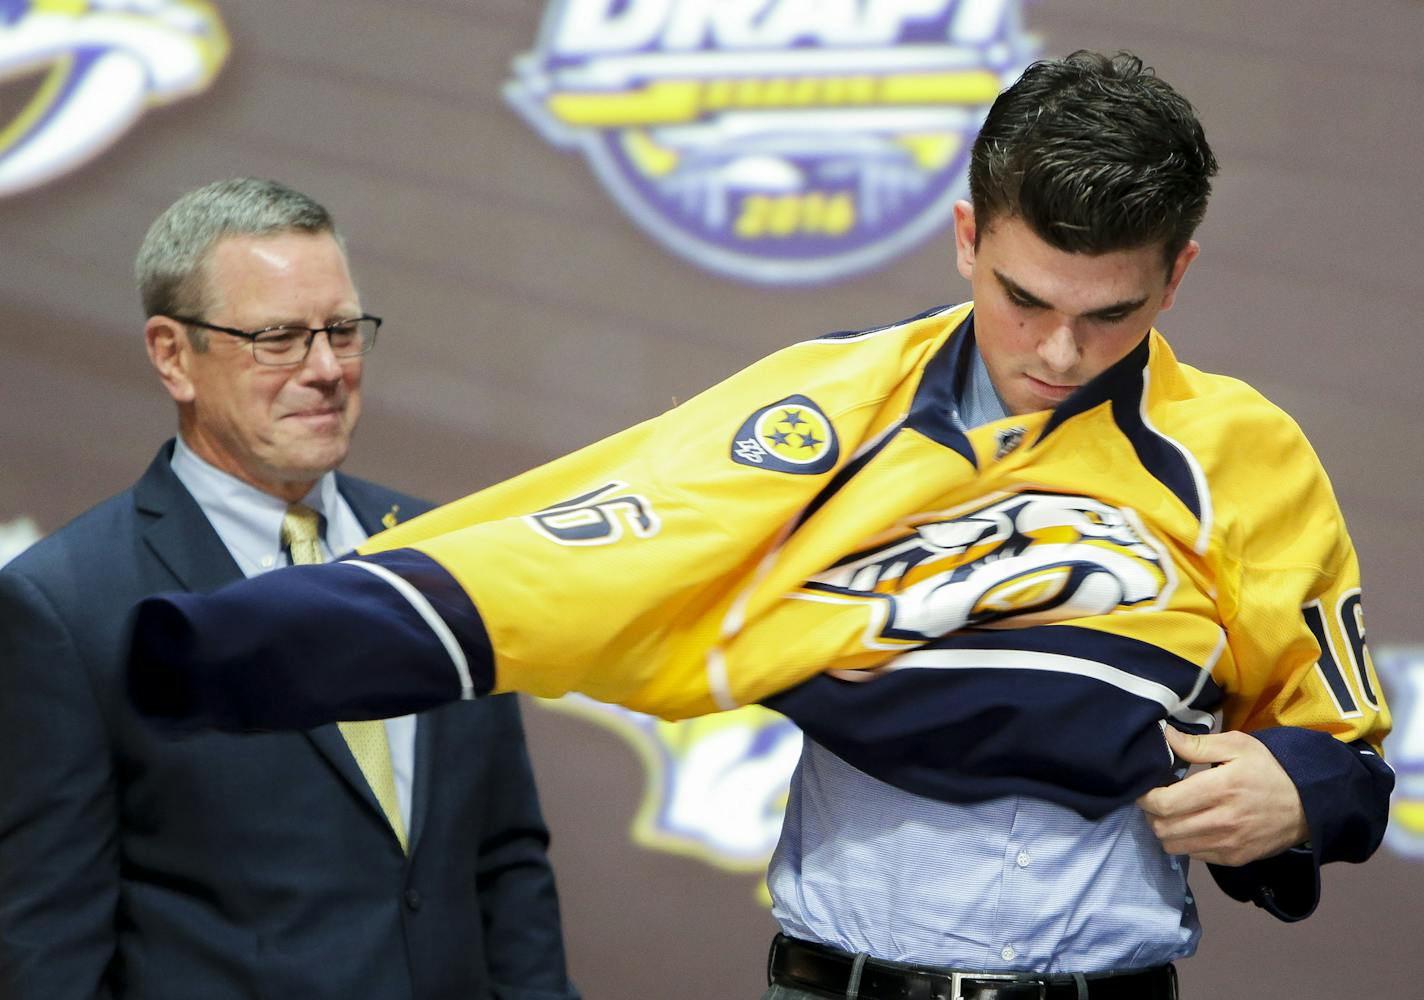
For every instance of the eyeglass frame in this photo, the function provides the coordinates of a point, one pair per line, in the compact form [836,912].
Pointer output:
[311,331]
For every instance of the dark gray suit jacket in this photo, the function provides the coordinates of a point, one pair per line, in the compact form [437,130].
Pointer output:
[216,866]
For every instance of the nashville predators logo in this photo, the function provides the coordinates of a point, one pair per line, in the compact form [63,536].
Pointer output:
[1025,559]
[1402,669]
[777,141]
[85,70]
[792,435]
[716,785]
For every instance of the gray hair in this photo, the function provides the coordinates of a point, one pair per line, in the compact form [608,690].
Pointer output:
[171,266]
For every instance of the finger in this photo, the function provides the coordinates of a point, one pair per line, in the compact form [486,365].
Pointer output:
[1193,794]
[1209,854]
[1203,825]
[1213,748]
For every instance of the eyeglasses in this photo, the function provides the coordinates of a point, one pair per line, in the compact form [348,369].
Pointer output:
[289,345]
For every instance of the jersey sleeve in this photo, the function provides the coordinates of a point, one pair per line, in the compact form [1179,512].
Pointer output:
[609,572]
[1300,675]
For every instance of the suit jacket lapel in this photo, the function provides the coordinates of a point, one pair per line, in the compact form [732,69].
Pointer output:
[178,533]
[332,745]
[184,541]
[427,732]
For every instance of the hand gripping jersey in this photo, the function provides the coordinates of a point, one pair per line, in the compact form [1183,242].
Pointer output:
[1018,609]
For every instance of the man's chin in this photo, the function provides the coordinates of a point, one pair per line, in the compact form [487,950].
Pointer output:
[311,463]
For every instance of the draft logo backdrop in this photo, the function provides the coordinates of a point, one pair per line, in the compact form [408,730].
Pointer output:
[774,141]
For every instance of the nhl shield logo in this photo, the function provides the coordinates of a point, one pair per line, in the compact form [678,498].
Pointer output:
[1006,441]
[775,141]
[97,65]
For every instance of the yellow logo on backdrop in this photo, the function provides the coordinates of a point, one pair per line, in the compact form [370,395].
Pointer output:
[1401,670]
[97,66]
[716,785]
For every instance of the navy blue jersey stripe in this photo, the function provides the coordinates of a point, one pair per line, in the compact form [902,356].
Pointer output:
[1123,379]
[1158,455]
[967,735]
[335,642]
[929,414]
[450,601]
[1152,663]
[932,413]
[1123,385]
[847,334]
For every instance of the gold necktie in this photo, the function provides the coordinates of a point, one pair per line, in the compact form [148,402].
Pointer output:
[367,739]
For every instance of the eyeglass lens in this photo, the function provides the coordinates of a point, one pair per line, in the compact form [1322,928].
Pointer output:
[288,345]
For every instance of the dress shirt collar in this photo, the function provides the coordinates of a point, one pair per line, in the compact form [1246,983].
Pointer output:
[248,520]
[978,401]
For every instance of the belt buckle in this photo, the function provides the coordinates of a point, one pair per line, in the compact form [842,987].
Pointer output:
[956,982]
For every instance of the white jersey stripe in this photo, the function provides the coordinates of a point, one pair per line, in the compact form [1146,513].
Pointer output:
[1058,663]
[432,618]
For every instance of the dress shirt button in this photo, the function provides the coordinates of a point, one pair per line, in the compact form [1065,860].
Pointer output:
[1007,953]
[267,561]
[412,898]
[1023,859]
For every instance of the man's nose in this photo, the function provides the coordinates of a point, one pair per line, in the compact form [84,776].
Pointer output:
[1059,350]
[321,362]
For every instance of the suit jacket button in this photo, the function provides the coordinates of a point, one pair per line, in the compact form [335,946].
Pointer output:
[412,898]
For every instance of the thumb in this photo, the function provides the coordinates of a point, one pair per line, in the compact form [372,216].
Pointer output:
[1207,749]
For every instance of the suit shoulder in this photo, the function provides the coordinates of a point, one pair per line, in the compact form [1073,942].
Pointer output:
[366,492]
[101,525]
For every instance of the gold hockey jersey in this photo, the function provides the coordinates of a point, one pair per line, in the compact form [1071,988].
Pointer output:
[819,511]
[1018,608]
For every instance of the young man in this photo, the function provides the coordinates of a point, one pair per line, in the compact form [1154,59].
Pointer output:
[1088,180]
[1003,563]
[396,860]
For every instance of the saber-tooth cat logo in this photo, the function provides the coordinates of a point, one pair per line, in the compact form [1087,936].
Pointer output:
[776,141]
[83,71]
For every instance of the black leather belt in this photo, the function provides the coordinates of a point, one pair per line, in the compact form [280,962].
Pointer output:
[826,970]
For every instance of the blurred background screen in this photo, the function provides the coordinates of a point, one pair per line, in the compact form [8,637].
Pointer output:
[575,214]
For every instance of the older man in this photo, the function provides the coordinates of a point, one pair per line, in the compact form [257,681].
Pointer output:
[396,859]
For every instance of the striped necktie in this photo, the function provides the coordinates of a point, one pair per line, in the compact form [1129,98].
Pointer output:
[367,738]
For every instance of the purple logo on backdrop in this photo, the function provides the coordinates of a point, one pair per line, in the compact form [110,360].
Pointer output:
[1402,669]
[716,785]
[97,65]
[776,141]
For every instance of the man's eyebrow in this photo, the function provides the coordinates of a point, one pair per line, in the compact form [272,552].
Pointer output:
[1112,311]
[1117,309]
[1019,291]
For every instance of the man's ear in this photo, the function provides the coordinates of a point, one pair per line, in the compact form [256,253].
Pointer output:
[964,238]
[1179,270]
[171,352]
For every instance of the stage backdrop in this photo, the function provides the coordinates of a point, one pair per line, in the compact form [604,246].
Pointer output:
[573,215]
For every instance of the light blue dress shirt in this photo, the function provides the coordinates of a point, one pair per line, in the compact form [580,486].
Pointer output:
[1011,884]
[249,522]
